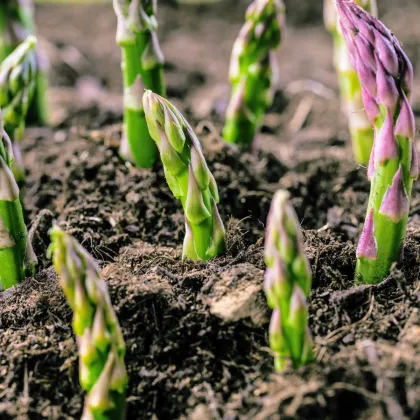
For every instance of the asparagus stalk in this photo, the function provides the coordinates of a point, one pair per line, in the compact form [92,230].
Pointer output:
[188,177]
[386,76]
[360,128]
[252,70]
[17,258]
[17,86]
[287,284]
[16,24]
[142,67]
[99,338]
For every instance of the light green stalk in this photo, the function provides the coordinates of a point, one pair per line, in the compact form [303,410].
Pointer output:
[252,71]
[142,67]
[287,284]
[16,24]
[361,130]
[100,341]
[17,86]
[17,258]
[188,177]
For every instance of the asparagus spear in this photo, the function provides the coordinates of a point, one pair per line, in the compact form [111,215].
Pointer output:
[142,67]
[188,177]
[17,258]
[16,24]
[99,338]
[360,127]
[287,284]
[252,70]
[17,85]
[386,75]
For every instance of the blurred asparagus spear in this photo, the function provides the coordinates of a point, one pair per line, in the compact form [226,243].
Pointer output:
[100,341]
[17,86]
[17,258]
[252,70]
[16,24]
[142,67]
[361,130]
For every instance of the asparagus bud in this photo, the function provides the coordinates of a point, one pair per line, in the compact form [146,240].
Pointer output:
[351,93]
[287,284]
[16,254]
[386,76]
[99,337]
[252,70]
[142,67]
[16,24]
[188,177]
[17,85]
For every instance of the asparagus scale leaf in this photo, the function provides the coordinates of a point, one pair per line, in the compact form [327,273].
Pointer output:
[99,338]
[17,258]
[361,130]
[386,76]
[287,284]
[142,67]
[188,177]
[253,71]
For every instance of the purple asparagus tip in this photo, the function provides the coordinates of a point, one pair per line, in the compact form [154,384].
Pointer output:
[367,244]
[383,68]
[395,203]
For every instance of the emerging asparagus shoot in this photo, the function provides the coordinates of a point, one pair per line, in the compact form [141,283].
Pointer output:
[252,71]
[360,127]
[16,24]
[386,75]
[142,67]
[17,86]
[17,258]
[99,338]
[287,284]
[188,177]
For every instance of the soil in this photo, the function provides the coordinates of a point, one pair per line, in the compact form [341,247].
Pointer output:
[196,333]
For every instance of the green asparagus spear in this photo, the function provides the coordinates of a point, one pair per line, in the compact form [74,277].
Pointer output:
[99,338]
[188,177]
[142,67]
[17,258]
[386,75]
[17,85]
[16,24]
[252,70]
[360,127]
[287,284]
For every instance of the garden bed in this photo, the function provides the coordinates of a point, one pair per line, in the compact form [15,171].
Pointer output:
[196,333]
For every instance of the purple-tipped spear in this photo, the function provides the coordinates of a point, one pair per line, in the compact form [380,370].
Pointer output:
[360,128]
[386,76]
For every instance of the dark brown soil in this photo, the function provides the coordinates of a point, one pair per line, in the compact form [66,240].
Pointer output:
[196,334]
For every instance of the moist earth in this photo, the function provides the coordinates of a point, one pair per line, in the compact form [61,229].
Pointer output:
[196,333]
